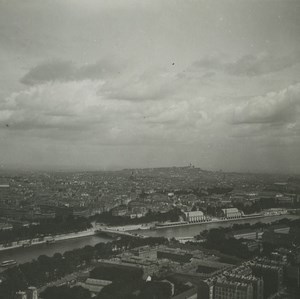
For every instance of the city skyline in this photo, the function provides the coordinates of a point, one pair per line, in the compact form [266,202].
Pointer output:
[130,84]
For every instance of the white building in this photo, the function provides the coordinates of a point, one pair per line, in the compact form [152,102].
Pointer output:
[195,216]
[32,293]
[231,213]
[21,295]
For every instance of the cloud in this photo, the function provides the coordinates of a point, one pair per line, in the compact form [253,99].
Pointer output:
[60,70]
[73,109]
[119,83]
[153,84]
[249,65]
[51,105]
[273,108]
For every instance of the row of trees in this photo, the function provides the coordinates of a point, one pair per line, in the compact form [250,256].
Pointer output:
[46,269]
[136,289]
[108,218]
[65,292]
[219,239]
[126,289]
[62,225]
[108,272]
[58,225]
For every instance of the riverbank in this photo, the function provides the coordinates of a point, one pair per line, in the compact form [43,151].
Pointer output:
[46,240]
[27,254]
[194,229]
[124,229]
[213,220]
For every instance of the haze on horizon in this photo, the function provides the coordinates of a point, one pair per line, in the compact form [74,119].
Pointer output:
[112,84]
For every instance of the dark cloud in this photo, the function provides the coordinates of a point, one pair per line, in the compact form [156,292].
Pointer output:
[249,65]
[153,84]
[58,70]
[49,71]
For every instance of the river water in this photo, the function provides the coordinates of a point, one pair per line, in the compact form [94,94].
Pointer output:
[195,229]
[22,255]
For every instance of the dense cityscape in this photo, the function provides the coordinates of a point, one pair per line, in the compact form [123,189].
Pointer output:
[149,149]
[244,241]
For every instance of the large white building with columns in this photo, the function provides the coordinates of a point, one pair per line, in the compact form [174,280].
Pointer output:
[195,216]
[231,213]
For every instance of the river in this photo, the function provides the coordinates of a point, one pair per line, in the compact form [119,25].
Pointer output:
[195,229]
[22,255]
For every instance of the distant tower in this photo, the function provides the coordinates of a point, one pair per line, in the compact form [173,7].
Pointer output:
[32,293]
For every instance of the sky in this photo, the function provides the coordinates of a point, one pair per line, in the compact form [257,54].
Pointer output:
[101,84]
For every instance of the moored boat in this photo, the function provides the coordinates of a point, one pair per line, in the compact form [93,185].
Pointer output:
[8,263]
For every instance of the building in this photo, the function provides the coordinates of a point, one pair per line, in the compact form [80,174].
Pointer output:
[32,293]
[119,265]
[119,211]
[145,252]
[175,255]
[206,289]
[231,213]
[195,216]
[242,270]
[211,267]
[275,212]
[253,245]
[222,288]
[268,200]
[285,200]
[191,293]
[5,193]
[277,238]
[272,276]
[94,285]
[256,282]
[226,289]
[149,267]
[246,234]
[21,295]
[136,215]
[292,276]
[13,213]
[282,229]
[5,226]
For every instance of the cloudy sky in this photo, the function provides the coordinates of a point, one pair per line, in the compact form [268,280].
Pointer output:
[101,84]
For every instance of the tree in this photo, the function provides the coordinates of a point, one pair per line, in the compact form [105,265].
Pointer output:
[65,292]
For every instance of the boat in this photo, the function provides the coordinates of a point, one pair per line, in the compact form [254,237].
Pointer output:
[8,263]
[50,240]
[26,244]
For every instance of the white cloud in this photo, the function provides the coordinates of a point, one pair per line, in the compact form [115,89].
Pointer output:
[273,108]
[83,107]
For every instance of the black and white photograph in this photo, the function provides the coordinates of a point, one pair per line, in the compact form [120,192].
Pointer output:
[149,149]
